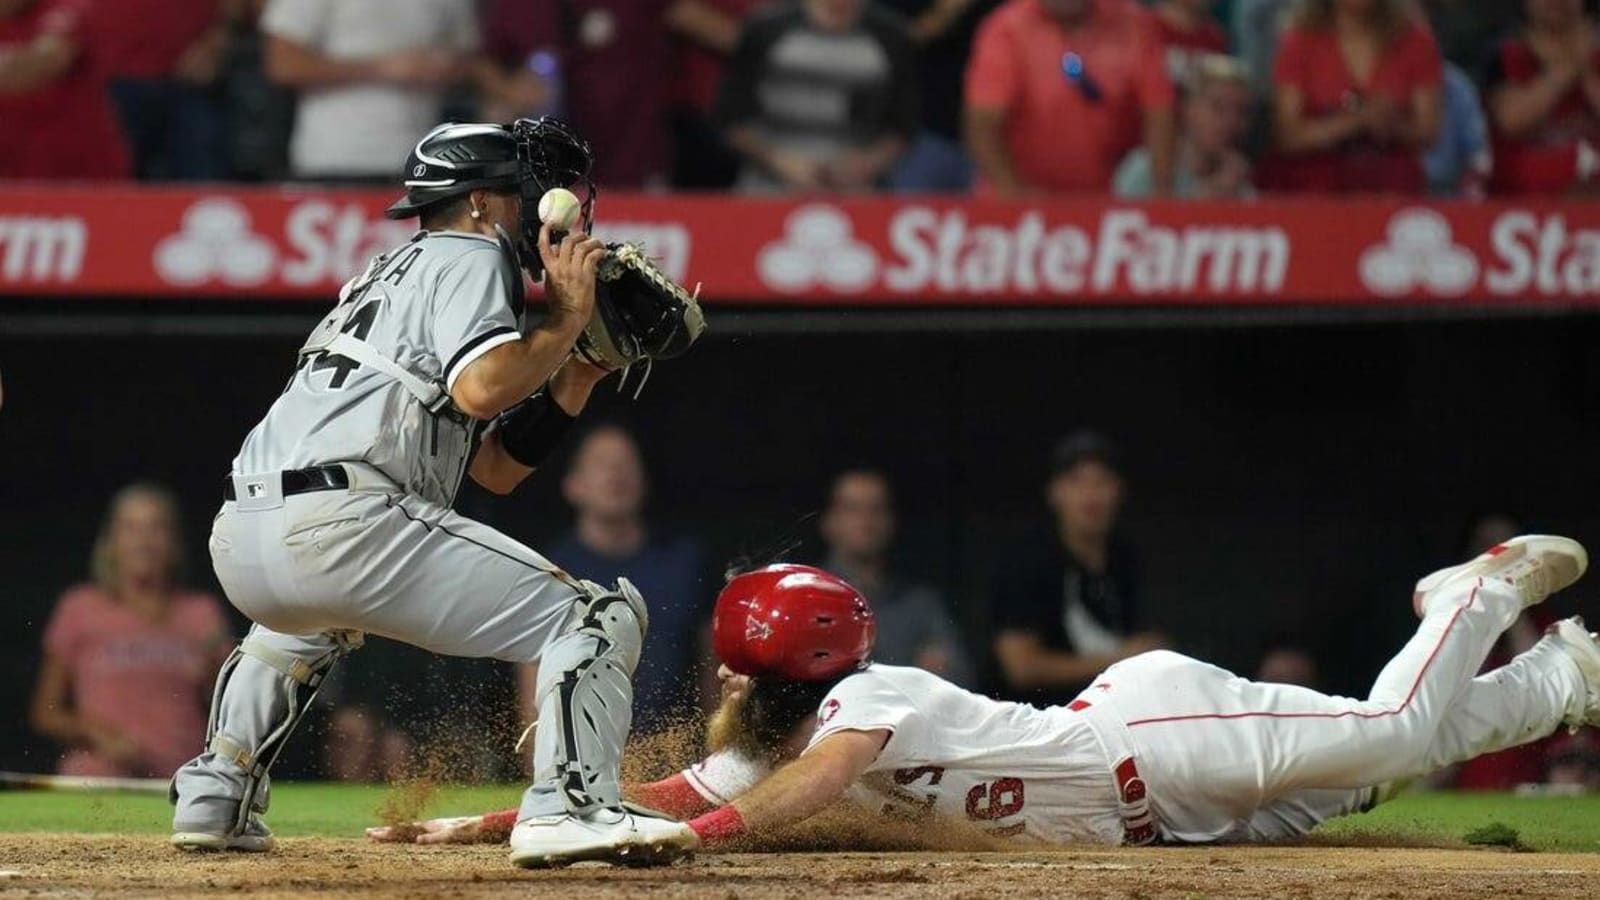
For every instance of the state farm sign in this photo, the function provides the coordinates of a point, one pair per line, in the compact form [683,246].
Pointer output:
[301,244]
[1124,250]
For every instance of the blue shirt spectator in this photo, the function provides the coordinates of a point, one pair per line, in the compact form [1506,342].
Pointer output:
[606,486]
[1459,162]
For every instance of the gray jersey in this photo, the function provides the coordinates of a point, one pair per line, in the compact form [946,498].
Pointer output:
[430,306]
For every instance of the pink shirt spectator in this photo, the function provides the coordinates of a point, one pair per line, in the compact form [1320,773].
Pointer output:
[146,679]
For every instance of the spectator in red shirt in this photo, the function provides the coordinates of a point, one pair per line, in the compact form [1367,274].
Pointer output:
[163,58]
[53,96]
[129,658]
[1188,30]
[1544,101]
[1058,91]
[1357,99]
[613,58]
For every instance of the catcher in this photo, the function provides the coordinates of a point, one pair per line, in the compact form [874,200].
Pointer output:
[1160,748]
[337,517]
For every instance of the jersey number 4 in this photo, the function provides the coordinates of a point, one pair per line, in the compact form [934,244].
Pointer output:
[358,325]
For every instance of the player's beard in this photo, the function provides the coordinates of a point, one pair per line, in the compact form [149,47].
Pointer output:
[760,722]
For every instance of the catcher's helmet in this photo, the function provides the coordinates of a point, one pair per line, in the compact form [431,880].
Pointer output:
[456,158]
[793,622]
[533,155]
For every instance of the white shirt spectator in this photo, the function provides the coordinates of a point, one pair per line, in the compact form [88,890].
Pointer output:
[363,128]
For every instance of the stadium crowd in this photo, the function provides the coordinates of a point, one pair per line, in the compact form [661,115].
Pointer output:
[1188,98]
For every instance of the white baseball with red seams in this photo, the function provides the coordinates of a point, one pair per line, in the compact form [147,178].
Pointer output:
[559,208]
[1209,755]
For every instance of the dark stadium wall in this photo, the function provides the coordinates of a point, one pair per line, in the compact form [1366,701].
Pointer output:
[1283,480]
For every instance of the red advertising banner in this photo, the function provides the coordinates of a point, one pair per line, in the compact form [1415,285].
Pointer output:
[301,243]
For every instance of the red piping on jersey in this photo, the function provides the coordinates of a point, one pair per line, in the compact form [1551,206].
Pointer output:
[1471,598]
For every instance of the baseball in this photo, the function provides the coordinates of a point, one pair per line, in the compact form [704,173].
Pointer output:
[559,208]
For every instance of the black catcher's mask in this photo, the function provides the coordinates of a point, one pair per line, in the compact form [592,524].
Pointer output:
[532,155]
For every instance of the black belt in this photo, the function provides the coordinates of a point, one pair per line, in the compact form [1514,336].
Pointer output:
[303,481]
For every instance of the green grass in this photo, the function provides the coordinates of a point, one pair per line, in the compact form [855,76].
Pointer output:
[297,809]
[1538,823]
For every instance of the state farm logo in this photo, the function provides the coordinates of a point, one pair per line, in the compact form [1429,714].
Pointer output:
[1421,253]
[216,241]
[818,249]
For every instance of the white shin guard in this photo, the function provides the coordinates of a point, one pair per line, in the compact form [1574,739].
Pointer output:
[253,713]
[585,695]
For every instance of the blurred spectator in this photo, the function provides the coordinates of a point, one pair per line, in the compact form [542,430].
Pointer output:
[1574,760]
[129,658]
[363,746]
[1214,118]
[164,58]
[820,95]
[914,627]
[606,486]
[1468,29]
[1058,91]
[401,712]
[1286,663]
[1070,609]
[53,94]
[604,64]
[1256,26]
[1544,100]
[259,112]
[1357,85]
[942,31]
[371,75]
[705,33]
[1188,30]
[1459,162]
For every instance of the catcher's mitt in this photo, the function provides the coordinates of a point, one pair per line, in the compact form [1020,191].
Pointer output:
[640,314]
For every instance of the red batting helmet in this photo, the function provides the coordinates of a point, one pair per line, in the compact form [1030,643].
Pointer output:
[794,622]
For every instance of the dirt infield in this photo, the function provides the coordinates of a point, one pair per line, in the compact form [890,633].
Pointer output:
[63,866]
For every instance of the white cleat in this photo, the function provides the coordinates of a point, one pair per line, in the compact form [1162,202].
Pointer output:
[1535,565]
[618,836]
[257,838]
[1575,639]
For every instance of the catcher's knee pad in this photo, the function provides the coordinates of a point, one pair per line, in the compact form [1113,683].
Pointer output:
[252,743]
[585,691]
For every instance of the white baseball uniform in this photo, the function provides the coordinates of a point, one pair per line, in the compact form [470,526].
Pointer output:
[387,555]
[1164,746]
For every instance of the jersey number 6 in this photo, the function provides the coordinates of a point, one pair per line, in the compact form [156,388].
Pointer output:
[1001,798]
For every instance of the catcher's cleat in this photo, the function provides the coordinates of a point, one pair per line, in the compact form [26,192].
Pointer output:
[617,836]
[1535,565]
[256,838]
[1575,639]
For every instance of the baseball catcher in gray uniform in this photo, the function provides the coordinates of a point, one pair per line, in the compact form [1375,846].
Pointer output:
[337,518]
